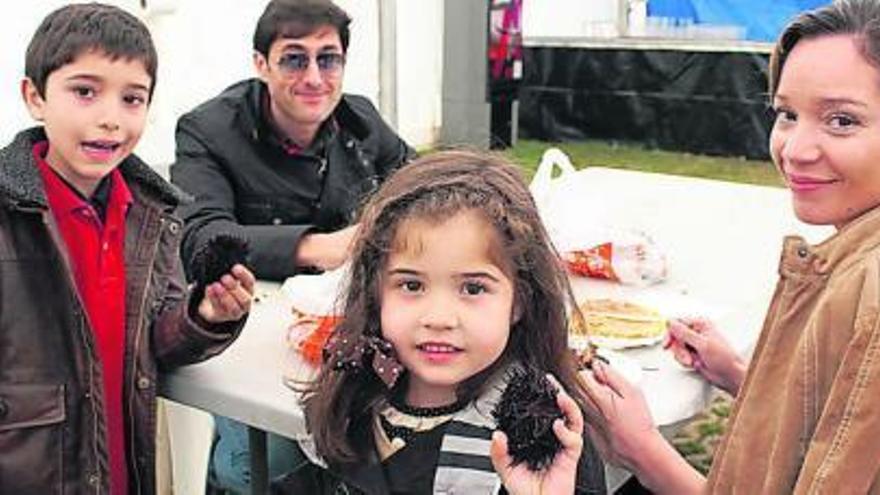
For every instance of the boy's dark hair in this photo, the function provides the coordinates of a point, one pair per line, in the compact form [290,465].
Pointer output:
[860,18]
[71,30]
[435,188]
[298,18]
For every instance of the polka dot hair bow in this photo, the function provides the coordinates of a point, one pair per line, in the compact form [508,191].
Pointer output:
[364,352]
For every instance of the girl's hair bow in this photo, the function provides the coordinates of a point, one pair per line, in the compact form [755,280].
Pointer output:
[364,352]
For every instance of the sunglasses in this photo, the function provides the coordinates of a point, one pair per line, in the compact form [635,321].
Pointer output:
[329,63]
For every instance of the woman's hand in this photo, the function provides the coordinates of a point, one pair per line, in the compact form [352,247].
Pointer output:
[697,344]
[625,435]
[627,419]
[557,478]
[229,298]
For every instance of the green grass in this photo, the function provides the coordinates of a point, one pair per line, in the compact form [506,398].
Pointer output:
[697,440]
[690,447]
[630,156]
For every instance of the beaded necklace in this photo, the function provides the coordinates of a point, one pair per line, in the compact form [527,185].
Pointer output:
[426,412]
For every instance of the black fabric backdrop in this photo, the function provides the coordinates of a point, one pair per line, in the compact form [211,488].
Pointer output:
[703,102]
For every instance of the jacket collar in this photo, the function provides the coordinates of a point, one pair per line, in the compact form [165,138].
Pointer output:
[254,119]
[848,244]
[20,182]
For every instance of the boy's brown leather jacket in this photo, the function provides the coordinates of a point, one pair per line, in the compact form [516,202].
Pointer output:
[807,419]
[52,426]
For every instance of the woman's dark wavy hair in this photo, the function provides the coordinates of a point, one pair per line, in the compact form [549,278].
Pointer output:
[436,187]
[860,18]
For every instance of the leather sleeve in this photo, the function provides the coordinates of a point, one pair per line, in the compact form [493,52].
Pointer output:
[202,173]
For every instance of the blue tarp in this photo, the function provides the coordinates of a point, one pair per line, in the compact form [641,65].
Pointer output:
[763,19]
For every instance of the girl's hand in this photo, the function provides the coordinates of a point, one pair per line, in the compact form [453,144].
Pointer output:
[229,298]
[557,478]
[697,344]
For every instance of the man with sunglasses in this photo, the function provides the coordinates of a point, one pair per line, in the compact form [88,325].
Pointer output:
[282,160]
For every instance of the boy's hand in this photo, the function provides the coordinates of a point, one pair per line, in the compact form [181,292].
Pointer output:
[559,477]
[697,344]
[229,298]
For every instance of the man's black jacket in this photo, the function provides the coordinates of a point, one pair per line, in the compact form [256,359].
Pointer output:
[245,183]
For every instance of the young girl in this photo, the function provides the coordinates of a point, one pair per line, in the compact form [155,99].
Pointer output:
[807,417]
[453,282]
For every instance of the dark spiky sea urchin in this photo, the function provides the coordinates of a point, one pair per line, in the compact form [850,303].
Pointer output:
[525,413]
[217,257]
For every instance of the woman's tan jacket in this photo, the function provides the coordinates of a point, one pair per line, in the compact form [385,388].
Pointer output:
[807,418]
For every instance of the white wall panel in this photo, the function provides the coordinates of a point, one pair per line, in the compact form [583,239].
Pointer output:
[419,70]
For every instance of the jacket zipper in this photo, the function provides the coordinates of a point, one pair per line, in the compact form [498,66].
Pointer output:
[132,390]
[82,317]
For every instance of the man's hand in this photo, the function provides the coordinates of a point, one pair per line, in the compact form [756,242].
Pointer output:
[229,298]
[326,251]
[697,344]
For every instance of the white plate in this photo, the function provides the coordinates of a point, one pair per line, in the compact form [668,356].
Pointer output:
[297,372]
[315,294]
[580,341]
[663,299]
[619,343]
[628,367]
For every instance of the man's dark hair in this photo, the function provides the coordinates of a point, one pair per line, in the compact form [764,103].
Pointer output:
[298,18]
[72,30]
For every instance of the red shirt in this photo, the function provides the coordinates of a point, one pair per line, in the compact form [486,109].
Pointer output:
[97,255]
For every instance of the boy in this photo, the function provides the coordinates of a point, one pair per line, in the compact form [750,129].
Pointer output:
[91,298]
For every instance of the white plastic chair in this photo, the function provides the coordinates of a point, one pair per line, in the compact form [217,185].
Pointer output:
[189,433]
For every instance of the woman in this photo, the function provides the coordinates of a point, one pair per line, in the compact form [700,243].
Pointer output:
[807,415]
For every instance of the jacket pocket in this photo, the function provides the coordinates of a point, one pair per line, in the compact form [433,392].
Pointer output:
[31,423]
